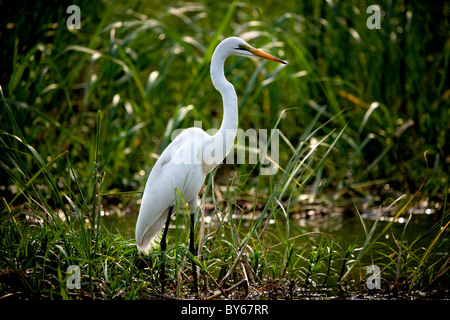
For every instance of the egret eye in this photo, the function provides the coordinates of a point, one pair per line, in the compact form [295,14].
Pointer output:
[242,47]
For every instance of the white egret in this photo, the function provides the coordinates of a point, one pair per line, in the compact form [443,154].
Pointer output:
[182,167]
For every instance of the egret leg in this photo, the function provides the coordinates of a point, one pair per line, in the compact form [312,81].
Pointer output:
[163,245]
[193,251]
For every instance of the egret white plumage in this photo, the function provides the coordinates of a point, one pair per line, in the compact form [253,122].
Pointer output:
[184,164]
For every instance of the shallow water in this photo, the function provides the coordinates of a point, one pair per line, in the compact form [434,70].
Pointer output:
[343,229]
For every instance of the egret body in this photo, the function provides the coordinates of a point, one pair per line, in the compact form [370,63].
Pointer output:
[184,164]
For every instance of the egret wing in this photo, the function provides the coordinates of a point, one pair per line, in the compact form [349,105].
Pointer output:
[175,169]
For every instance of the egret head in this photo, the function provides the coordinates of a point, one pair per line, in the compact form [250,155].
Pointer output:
[237,46]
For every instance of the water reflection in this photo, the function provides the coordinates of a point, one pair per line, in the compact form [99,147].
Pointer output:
[345,229]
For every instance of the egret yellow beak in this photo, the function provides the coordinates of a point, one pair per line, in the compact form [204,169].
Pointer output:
[266,56]
[260,54]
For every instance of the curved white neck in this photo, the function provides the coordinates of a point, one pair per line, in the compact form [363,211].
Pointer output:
[223,140]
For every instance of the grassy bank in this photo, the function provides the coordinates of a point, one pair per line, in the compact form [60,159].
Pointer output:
[363,116]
